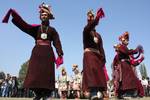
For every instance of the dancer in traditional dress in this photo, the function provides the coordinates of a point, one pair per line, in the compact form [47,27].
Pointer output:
[94,79]
[122,65]
[41,71]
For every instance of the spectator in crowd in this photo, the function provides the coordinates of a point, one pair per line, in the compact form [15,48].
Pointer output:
[14,86]
[56,89]
[77,80]
[63,84]
[5,88]
[20,88]
[144,82]
[110,88]
[2,78]
[148,87]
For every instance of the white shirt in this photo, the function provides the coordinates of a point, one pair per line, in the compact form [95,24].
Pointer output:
[144,82]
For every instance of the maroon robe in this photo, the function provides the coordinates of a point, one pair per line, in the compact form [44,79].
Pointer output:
[116,74]
[93,63]
[41,69]
[128,77]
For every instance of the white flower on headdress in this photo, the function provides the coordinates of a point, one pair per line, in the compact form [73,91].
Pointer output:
[45,5]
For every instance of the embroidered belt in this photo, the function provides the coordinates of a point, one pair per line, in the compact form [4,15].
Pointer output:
[91,50]
[43,42]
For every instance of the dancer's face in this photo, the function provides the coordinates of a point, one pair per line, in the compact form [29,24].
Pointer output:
[125,41]
[90,19]
[44,17]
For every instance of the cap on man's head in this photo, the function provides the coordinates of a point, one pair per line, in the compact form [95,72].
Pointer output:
[45,8]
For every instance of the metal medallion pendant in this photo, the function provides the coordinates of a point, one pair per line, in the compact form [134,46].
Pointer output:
[44,36]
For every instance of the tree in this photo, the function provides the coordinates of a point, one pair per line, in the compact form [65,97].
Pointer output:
[23,70]
[143,70]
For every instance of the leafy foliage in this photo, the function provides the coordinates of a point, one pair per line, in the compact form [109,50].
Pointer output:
[143,70]
[23,70]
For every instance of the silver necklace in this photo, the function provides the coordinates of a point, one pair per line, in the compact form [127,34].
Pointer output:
[44,35]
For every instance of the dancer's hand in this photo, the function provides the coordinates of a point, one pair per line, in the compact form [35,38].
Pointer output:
[6,18]
[100,13]
[140,48]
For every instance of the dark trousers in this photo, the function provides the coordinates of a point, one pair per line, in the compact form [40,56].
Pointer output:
[120,92]
[42,93]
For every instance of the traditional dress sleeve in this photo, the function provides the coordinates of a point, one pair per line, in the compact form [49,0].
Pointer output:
[123,49]
[115,61]
[91,26]
[56,42]
[21,24]
[102,49]
[135,61]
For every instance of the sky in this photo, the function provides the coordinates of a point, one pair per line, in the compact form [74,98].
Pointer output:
[70,18]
